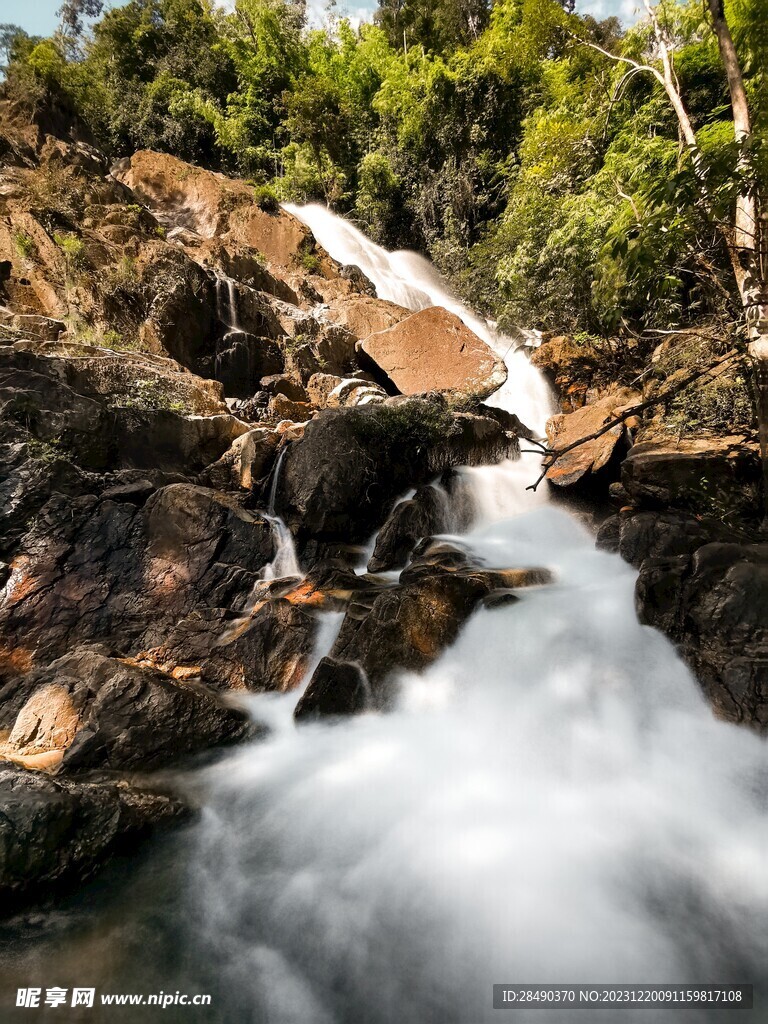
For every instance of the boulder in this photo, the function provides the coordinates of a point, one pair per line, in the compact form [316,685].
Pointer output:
[267,650]
[710,474]
[433,351]
[340,482]
[594,461]
[338,689]
[364,315]
[62,830]
[88,710]
[409,522]
[403,628]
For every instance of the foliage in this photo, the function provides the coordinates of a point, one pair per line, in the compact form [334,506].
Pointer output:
[405,427]
[24,245]
[547,183]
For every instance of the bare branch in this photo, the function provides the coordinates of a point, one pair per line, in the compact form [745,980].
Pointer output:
[634,410]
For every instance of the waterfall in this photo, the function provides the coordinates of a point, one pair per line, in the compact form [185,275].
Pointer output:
[286,561]
[226,302]
[411,281]
[552,801]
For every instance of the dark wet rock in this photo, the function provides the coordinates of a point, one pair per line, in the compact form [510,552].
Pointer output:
[337,689]
[60,830]
[409,522]
[707,475]
[123,574]
[340,482]
[97,711]
[638,536]
[405,628]
[714,604]
[265,651]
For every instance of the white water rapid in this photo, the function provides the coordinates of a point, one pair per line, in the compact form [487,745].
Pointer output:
[553,801]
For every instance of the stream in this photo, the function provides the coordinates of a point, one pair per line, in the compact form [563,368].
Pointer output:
[551,802]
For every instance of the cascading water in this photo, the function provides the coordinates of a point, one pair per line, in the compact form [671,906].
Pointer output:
[411,281]
[551,802]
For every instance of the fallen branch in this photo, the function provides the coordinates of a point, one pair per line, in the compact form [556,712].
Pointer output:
[633,410]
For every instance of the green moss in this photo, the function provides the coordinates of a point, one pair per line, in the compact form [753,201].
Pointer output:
[151,395]
[409,425]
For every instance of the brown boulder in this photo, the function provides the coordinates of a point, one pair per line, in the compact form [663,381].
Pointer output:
[591,458]
[433,351]
[706,474]
[364,315]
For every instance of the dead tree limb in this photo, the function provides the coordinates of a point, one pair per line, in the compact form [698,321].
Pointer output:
[554,455]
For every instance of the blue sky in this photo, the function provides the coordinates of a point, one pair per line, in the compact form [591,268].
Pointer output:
[38,17]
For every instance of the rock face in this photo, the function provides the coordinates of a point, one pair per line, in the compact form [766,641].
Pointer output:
[714,604]
[434,351]
[122,572]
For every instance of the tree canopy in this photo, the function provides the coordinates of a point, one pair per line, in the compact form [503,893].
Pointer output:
[513,141]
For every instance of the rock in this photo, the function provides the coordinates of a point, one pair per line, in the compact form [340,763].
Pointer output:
[714,605]
[364,315]
[409,522]
[266,651]
[643,535]
[706,474]
[61,830]
[282,408]
[342,479]
[107,571]
[285,385]
[403,628]
[210,205]
[433,351]
[320,386]
[337,689]
[248,464]
[594,461]
[571,368]
[352,392]
[95,711]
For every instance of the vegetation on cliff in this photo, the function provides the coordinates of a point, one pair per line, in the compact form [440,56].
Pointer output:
[547,178]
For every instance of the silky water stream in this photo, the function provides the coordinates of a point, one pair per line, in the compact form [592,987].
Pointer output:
[551,802]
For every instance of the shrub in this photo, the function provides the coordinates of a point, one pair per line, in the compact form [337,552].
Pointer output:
[24,245]
[74,252]
[266,198]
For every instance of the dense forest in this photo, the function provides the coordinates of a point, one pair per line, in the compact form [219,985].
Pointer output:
[514,142]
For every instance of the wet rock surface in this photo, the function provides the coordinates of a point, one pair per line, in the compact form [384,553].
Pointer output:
[404,627]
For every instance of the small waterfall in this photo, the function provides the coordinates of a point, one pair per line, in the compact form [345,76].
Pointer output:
[286,561]
[226,302]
